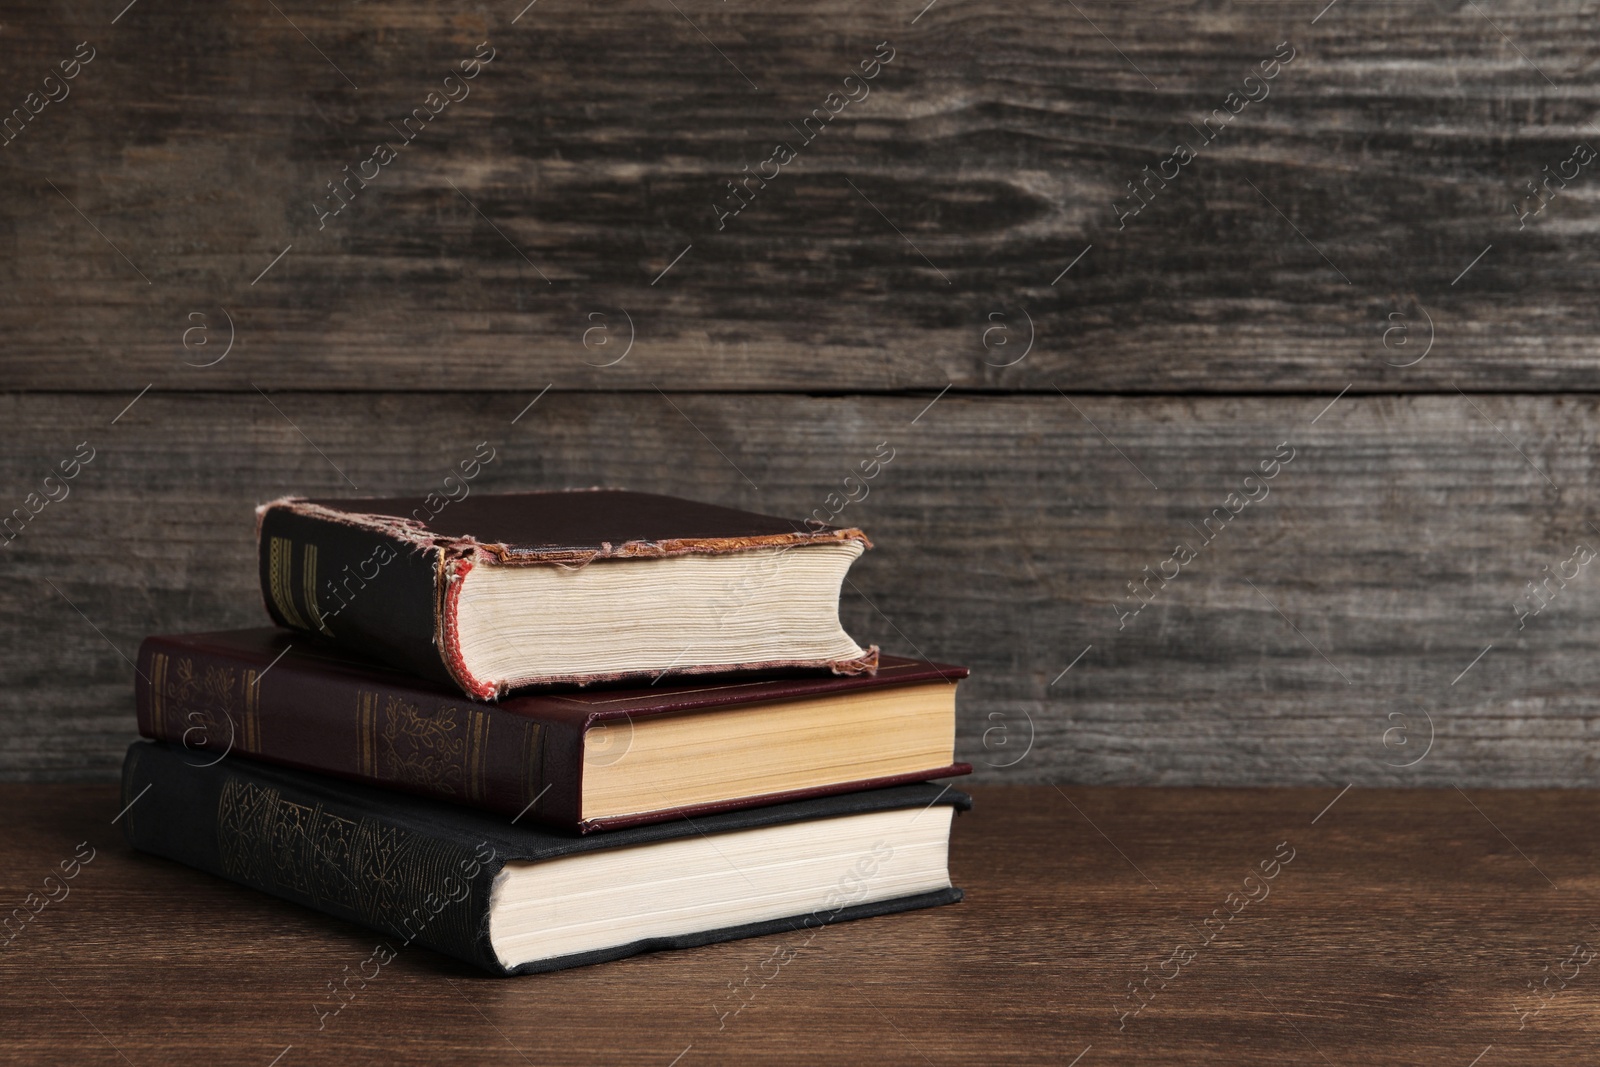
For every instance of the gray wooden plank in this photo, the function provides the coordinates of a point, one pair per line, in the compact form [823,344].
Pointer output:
[934,219]
[1386,555]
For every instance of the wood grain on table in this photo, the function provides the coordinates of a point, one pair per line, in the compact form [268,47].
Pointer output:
[1405,927]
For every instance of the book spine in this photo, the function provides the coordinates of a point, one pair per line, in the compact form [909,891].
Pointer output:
[373,595]
[319,849]
[359,727]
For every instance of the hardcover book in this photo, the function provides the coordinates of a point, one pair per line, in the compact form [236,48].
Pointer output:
[513,899]
[580,759]
[498,592]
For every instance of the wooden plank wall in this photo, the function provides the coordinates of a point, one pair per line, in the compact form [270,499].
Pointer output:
[1332,267]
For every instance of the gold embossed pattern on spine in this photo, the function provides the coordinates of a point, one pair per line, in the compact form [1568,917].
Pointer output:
[280,580]
[308,574]
[478,733]
[366,733]
[443,751]
[250,702]
[432,750]
[409,885]
[158,685]
[215,707]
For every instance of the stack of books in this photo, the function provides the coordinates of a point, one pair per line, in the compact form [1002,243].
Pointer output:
[538,730]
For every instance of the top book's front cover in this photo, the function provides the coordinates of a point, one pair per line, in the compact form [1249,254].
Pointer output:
[591,523]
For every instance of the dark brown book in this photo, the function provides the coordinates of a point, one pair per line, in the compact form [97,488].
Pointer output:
[500,592]
[582,759]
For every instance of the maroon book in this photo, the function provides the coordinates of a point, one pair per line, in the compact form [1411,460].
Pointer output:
[579,759]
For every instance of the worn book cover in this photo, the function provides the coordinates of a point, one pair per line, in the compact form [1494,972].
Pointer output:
[499,592]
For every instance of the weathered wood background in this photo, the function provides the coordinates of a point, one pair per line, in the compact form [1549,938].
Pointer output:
[1101,388]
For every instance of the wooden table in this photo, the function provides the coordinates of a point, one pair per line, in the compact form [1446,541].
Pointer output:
[1408,927]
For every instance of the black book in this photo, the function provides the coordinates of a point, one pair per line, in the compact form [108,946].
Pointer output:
[515,899]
